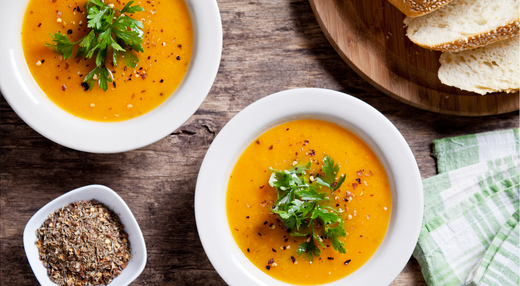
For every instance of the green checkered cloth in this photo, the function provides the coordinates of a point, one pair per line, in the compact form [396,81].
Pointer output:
[467,207]
[500,258]
[456,152]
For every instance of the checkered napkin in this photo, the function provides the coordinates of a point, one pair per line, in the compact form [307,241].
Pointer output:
[469,234]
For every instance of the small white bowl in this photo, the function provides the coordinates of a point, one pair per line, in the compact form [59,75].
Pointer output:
[32,105]
[116,204]
[339,108]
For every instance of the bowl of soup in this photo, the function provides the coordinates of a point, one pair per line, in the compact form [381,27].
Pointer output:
[182,44]
[289,138]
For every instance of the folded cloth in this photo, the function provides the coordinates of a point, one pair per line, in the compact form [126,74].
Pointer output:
[482,179]
[466,205]
[450,249]
[501,259]
[456,152]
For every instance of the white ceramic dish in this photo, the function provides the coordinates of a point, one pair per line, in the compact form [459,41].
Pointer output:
[358,117]
[30,103]
[110,199]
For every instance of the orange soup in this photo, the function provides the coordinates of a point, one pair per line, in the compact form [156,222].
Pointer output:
[363,201]
[167,43]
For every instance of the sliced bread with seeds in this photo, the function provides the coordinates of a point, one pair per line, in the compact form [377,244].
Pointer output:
[415,8]
[465,24]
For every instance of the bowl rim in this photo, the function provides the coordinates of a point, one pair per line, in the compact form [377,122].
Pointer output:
[41,114]
[115,203]
[336,107]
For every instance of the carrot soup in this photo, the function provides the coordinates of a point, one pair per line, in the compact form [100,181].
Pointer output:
[362,202]
[167,42]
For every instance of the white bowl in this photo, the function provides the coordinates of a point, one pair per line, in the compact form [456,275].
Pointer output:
[339,108]
[30,103]
[116,204]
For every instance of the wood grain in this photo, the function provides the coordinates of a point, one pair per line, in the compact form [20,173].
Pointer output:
[371,38]
[269,46]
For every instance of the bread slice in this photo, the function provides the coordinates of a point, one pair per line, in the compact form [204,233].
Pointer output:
[415,8]
[493,68]
[465,24]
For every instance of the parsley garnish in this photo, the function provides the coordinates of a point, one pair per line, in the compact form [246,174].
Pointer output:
[299,205]
[110,28]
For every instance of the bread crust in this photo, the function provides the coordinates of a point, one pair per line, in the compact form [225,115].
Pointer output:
[415,8]
[501,33]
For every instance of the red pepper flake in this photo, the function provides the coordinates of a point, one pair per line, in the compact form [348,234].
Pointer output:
[63,87]
[270,261]
[271,147]
[39,25]
[286,240]
[261,187]
[273,249]
[287,129]
[260,234]
[306,142]
[358,180]
[247,216]
[248,250]
[347,262]
[114,84]
[354,186]
[360,172]
[178,58]
[345,199]
[370,172]
[293,259]
[311,153]
[265,222]
[161,81]
[257,142]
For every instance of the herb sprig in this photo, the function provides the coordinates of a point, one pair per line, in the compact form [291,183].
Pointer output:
[299,205]
[109,28]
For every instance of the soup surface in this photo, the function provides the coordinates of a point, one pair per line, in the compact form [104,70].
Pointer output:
[168,41]
[364,201]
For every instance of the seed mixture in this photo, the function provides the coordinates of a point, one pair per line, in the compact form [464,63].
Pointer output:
[83,243]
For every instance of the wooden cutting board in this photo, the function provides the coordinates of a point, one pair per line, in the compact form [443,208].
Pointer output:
[371,38]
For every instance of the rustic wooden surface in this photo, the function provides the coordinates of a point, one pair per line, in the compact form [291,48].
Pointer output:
[269,46]
[370,37]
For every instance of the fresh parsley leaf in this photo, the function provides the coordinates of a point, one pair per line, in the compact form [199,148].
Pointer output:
[124,35]
[334,234]
[131,9]
[63,45]
[131,59]
[299,205]
[308,247]
[330,171]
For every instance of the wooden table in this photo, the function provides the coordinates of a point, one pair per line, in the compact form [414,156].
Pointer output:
[269,46]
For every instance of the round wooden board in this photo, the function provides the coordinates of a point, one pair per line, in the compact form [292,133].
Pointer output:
[370,36]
